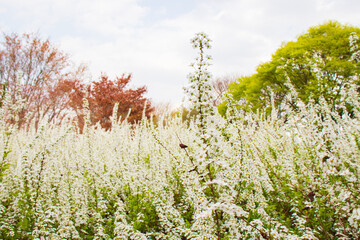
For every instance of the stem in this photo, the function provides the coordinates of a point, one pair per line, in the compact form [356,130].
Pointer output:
[39,177]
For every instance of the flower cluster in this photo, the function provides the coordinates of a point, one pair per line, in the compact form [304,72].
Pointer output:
[253,176]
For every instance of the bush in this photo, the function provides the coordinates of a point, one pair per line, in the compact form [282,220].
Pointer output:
[293,175]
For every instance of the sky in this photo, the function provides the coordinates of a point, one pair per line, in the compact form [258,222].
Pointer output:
[150,39]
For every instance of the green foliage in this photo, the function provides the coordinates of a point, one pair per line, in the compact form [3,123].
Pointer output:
[141,212]
[3,93]
[4,164]
[318,64]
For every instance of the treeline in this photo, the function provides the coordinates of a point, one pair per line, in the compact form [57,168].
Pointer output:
[39,81]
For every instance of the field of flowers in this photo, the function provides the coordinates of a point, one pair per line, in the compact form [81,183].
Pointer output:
[286,175]
[243,178]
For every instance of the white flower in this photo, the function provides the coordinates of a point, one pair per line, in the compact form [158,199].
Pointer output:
[355,217]
[205,136]
[204,214]
[218,181]
[308,204]
[345,172]
[331,171]
[301,221]
[356,214]
[344,195]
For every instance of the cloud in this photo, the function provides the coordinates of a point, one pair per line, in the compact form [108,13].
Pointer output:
[109,16]
[151,39]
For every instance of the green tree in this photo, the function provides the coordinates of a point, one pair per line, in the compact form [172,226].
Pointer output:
[318,64]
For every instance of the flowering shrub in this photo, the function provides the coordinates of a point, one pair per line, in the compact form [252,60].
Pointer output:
[294,175]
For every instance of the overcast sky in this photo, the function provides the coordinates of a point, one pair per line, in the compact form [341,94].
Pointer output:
[151,38]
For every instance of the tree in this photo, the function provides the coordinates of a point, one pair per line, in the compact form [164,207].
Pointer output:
[317,65]
[42,83]
[30,69]
[102,97]
[220,86]
[104,94]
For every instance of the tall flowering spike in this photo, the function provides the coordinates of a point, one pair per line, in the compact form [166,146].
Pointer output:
[354,47]
[199,89]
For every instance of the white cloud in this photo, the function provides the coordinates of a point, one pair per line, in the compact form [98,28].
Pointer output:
[109,16]
[324,5]
[151,39]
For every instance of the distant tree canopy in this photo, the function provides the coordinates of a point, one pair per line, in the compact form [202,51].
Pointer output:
[38,81]
[318,64]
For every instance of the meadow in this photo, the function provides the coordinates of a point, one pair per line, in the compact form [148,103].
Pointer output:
[284,176]
[288,173]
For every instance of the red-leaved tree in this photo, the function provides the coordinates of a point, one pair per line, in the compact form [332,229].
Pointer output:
[30,70]
[102,97]
[43,84]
